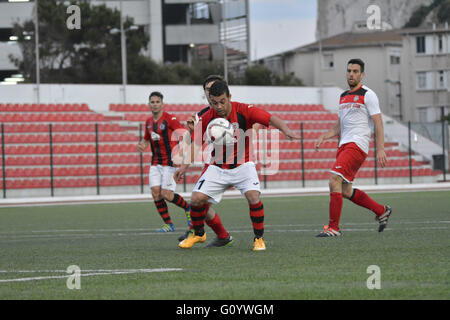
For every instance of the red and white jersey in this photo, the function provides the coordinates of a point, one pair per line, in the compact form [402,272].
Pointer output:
[355,110]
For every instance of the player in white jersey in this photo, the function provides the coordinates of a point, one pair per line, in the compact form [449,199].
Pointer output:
[359,112]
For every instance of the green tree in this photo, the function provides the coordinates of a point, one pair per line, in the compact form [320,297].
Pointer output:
[258,75]
[287,80]
[441,7]
[446,118]
[444,12]
[92,54]
[89,55]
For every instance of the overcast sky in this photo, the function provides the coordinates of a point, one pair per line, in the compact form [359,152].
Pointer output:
[280,25]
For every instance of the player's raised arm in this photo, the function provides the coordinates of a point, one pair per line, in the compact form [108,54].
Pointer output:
[379,132]
[282,126]
[334,131]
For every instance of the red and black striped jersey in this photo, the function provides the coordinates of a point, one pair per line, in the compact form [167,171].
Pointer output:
[243,117]
[161,136]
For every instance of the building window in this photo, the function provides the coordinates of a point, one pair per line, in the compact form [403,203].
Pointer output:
[328,61]
[440,44]
[421,44]
[199,11]
[442,112]
[395,60]
[442,82]
[422,114]
[421,80]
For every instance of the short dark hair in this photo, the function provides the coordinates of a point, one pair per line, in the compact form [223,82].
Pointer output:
[359,62]
[156,94]
[213,77]
[219,88]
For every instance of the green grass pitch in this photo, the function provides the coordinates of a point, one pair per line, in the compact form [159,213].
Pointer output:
[413,253]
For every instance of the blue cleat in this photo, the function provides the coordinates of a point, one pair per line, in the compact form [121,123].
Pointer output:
[188,216]
[167,228]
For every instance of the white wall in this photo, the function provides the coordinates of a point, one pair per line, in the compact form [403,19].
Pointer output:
[98,97]
[5,50]
[15,12]
[138,9]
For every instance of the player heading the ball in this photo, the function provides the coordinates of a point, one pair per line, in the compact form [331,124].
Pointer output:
[229,168]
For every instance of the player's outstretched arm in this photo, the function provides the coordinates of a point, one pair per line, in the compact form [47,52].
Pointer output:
[379,132]
[282,126]
[331,133]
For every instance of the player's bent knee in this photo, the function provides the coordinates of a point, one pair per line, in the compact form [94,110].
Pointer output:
[347,191]
[335,182]
[252,197]
[198,199]
[167,194]
[156,195]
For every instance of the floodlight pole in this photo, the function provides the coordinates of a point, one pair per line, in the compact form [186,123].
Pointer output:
[320,65]
[225,58]
[247,12]
[123,45]
[36,38]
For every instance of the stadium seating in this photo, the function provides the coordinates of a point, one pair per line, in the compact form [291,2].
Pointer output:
[75,154]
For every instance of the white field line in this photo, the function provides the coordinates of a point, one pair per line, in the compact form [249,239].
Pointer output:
[248,230]
[343,230]
[88,274]
[272,192]
[92,270]
[151,230]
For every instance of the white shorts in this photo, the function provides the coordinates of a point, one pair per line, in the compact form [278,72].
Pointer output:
[162,176]
[215,181]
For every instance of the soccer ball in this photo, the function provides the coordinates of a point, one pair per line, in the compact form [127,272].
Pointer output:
[220,132]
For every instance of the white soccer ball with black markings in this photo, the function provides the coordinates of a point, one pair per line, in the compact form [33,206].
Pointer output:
[220,132]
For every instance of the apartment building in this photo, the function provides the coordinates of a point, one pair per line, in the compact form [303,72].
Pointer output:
[324,63]
[425,75]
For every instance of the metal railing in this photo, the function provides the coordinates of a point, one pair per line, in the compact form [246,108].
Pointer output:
[440,163]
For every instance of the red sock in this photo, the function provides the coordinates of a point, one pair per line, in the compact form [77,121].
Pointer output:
[217,226]
[163,211]
[362,199]
[207,208]
[335,210]
[257,217]
[198,215]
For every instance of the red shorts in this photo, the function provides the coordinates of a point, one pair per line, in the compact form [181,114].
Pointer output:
[349,159]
